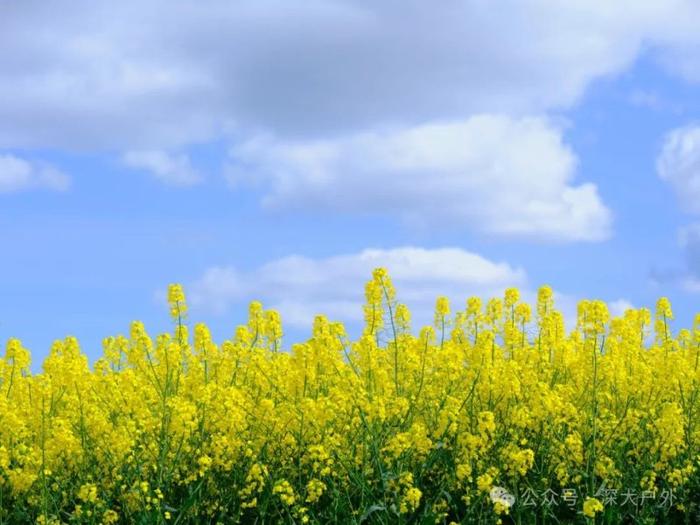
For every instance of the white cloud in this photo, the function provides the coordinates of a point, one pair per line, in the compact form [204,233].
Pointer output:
[301,287]
[679,165]
[17,174]
[120,76]
[491,173]
[176,170]
[619,307]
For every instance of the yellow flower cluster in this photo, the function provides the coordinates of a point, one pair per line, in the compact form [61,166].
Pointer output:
[397,426]
[592,506]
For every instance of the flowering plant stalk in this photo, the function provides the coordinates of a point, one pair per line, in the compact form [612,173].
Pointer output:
[491,415]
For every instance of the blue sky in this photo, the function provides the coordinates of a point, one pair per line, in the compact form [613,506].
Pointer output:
[279,152]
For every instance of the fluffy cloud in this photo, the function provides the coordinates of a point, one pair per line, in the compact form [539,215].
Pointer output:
[679,164]
[301,287]
[158,75]
[619,307]
[175,170]
[497,175]
[161,76]
[17,174]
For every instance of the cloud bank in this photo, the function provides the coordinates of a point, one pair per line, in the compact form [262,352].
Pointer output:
[302,287]
[494,174]
[158,75]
